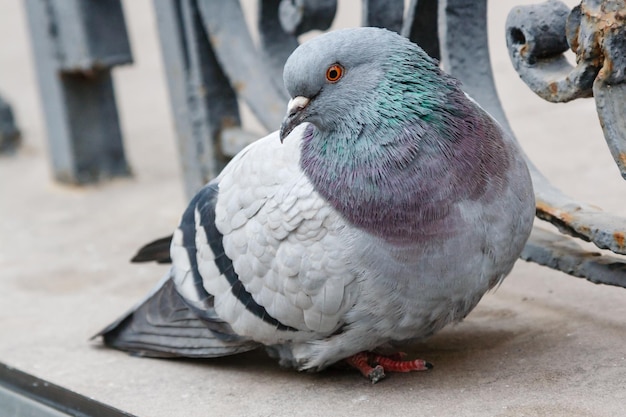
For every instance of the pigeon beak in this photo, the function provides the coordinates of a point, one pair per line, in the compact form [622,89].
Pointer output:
[295,115]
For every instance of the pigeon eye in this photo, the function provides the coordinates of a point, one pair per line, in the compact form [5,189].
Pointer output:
[334,73]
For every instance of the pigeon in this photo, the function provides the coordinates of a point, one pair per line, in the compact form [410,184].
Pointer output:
[385,207]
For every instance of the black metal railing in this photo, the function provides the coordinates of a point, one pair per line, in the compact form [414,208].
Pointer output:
[212,63]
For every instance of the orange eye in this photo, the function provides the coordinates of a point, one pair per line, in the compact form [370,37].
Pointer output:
[334,73]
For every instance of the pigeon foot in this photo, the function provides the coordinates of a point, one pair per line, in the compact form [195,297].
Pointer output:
[363,362]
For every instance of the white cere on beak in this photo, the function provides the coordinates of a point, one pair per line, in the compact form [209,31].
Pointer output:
[297,103]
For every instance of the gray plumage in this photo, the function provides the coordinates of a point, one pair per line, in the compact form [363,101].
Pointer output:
[384,209]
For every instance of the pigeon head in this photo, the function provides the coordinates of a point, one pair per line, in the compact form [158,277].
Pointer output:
[352,77]
[327,76]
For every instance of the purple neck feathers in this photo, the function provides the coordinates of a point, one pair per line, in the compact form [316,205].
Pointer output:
[406,187]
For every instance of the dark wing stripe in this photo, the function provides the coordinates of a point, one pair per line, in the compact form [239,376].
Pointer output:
[205,202]
[188,228]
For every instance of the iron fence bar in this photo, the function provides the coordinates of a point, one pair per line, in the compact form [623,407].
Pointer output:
[421,25]
[9,133]
[76,44]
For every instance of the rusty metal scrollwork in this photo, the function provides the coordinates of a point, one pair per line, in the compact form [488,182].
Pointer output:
[537,37]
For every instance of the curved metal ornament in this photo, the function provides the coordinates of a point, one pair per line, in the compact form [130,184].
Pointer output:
[537,36]
[595,30]
[462,45]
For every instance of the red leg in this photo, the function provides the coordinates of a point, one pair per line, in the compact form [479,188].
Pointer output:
[392,364]
[360,361]
[363,361]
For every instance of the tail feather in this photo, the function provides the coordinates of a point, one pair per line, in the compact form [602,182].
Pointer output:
[165,326]
[158,250]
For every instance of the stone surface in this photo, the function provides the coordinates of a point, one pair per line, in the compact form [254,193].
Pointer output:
[543,344]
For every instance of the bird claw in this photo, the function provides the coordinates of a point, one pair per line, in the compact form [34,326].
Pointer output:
[363,361]
[376,374]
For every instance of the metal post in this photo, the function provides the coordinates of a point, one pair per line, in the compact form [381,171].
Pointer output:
[76,44]
[9,134]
